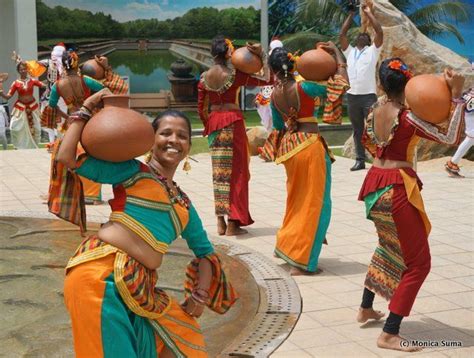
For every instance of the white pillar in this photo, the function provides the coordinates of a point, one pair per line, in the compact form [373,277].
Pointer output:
[264,24]
[18,33]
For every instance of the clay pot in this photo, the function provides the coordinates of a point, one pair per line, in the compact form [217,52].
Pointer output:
[316,65]
[93,69]
[117,133]
[245,61]
[429,97]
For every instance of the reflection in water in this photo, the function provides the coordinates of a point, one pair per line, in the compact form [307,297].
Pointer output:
[148,70]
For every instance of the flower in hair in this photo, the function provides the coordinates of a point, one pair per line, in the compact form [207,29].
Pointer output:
[293,57]
[230,45]
[399,66]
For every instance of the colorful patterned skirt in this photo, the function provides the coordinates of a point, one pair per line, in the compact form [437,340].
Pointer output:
[117,311]
[308,207]
[230,172]
[25,125]
[402,258]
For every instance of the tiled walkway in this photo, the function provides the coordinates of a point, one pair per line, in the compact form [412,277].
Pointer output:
[327,327]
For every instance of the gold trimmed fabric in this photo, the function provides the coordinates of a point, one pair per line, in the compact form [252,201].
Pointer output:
[139,229]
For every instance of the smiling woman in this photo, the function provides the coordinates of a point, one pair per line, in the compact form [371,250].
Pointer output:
[110,287]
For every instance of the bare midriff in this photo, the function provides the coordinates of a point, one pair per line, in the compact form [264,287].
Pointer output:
[224,107]
[26,99]
[126,240]
[390,164]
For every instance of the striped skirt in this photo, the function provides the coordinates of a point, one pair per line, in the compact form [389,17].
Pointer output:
[230,172]
[104,326]
[308,207]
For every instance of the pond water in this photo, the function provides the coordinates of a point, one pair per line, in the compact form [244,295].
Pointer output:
[148,70]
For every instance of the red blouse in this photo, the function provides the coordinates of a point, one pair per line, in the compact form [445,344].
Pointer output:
[401,145]
[228,93]
[406,133]
[24,89]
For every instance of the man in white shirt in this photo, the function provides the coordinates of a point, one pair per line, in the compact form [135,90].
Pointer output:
[361,67]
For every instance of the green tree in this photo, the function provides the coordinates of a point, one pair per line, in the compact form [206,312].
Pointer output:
[436,19]
[326,16]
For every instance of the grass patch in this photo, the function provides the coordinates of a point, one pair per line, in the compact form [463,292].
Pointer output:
[252,119]
[337,152]
[200,145]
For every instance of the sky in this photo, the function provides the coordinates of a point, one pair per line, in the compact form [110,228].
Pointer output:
[126,10]
[467,31]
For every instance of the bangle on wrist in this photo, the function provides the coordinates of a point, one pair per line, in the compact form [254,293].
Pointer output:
[457,100]
[342,65]
[197,300]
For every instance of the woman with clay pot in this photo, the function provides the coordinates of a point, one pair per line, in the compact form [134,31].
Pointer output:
[225,127]
[73,89]
[25,125]
[99,69]
[110,287]
[297,143]
[391,192]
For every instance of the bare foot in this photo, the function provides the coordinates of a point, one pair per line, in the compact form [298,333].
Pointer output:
[233,229]
[221,225]
[296,271]
[368,313]
[395,342]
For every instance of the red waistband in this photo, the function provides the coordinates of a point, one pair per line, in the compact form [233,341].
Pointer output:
[22,106]
[378,178]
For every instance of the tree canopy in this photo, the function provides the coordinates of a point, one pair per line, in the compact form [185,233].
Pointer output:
[293,18]
[203,23]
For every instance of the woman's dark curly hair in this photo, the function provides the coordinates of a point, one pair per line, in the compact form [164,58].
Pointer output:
[393,81]
[280,63]
[175,114]
[219,47]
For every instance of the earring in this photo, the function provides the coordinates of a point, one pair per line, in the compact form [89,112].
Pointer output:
[186,165]
[148,156]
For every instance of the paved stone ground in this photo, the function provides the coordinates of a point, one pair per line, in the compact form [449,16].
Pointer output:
[327,327]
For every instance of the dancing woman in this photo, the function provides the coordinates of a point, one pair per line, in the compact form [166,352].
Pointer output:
[391,192]
[73,89]
[25,125]
[225,128]
[110,287]
[297,143]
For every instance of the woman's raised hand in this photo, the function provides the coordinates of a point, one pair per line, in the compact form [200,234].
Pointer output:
[328,46]
[255,48]
[455,82]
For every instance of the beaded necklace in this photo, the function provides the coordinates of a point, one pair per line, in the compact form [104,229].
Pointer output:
[175,197]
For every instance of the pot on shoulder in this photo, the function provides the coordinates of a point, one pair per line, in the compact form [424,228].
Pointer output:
[93,69]
[117,133]
[246,61]
[316,65]
[429,98]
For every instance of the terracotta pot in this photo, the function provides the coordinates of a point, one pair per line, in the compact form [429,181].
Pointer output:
[246,61]
[117,133]
[429,97]
[316,65]
[93,69]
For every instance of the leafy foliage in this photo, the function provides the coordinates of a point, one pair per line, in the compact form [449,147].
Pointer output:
[325,17]
[206,22]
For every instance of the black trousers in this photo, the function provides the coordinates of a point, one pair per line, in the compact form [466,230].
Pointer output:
[358,106]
